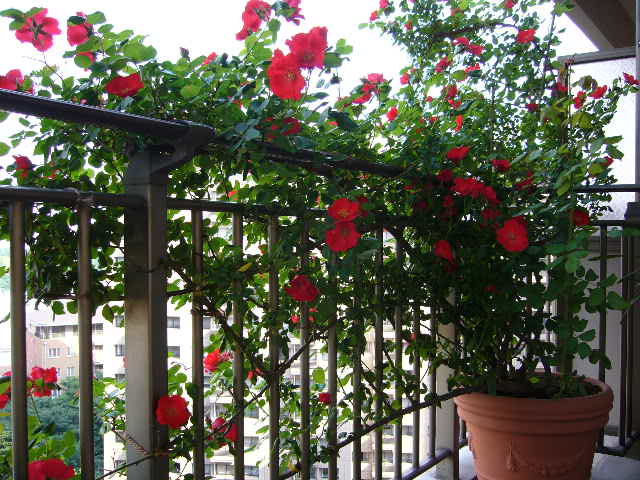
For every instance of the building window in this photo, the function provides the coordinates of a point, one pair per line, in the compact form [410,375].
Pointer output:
[174,350]
[119,350]
[54,352]
[118,321]
[221,409]
[58,331]
[407,430]
[74,330]
[407,458]
[98,369]
[98,348]
[173,322]
[43,332]
[71,371]
[387,456]
[97,328]
[206,323]
[366,457]
[208,468]
[388,430]
[69,352]
[324,472]
[224,469]
[250,442]
[251,471]
[121,377]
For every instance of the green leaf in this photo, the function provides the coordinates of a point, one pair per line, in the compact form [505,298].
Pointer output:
[190,91]
[11,13]
[57,307]
[3,115]
[4,149]
[584,350]
[616,302]
[107,313]
[343,48]
[96,18]
[82,61]
[588,336]
[332,60]
[318,376]
[459,75]
[139,52]
[344,121]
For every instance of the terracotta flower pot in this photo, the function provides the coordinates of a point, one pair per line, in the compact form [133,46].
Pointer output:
[533,439]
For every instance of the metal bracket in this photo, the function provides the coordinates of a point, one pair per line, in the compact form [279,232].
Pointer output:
[150,167]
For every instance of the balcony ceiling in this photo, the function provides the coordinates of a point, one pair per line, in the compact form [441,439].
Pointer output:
[608,23]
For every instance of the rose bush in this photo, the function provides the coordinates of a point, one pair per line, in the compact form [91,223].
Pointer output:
[483,146]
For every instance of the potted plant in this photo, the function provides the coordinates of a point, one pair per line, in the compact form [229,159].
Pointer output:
[500,232]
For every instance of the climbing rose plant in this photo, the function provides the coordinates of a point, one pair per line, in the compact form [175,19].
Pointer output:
[486,135]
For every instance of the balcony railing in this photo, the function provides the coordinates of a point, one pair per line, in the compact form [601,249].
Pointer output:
[438,435]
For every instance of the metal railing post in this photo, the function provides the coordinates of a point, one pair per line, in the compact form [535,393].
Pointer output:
[146,318]
[632,218]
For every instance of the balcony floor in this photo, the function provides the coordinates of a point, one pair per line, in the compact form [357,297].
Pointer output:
[605,467]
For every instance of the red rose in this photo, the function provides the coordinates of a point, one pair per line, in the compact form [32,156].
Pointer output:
[374,16]
[51,469]
[375,78]
[295,16]
[501,165]
[4,399]
[125,86]
[384,4]
[79,34]
[459,122]
[443,250]
[302,289]
[476,49]
[630,79]
[254,13]
[607,162]
[433,119]
[295,319]
[230,432]
[533,107]
[405,78]
[578,102]
[490,214]
[581,217]
[599,92]
[343,237]
[513,236]
[172,410]
[43,381]
[443,64]
[392,114]
[451,91]
[457,154]
[509,4]
[462,41]
[212,56]
[285,77]
[473,68]
[39,30]
[23,165]
[325,398]
[445,176]
[468,187]
[344,210]
[12,80]
[308,48]
[213,360]
[526,36]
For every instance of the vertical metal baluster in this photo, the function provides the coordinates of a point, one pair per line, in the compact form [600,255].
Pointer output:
[332,430]
[456,426]
[20,433]
[432,388]
[274,357]
[197,340]
[379,340]
[85,317]
[622,433]
[305,394]
[631,315]
[238,356]
[602,324]
[416,396]
[397,429]
[357,382]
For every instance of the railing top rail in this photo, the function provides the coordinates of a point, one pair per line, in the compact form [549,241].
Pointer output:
[69,196]
[600,56]
[618,188]
[28,104]
[232,207]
